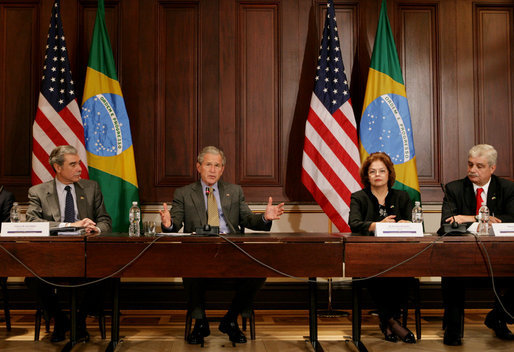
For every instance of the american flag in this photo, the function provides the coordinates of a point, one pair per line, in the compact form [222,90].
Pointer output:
[331,161]
[58,120]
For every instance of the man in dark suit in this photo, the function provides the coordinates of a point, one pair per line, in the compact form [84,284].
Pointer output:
[214,202]
[463,199]
[66,201]
[6,200]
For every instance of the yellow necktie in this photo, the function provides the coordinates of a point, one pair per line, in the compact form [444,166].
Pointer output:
[213,218]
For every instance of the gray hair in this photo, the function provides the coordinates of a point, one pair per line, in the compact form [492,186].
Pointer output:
[57,155]
[211,150]
[484,150]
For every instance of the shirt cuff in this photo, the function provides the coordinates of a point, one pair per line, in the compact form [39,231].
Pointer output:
[165,228]
[264,220]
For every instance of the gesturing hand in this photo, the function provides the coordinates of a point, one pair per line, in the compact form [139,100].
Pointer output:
[273,212]
[165,215]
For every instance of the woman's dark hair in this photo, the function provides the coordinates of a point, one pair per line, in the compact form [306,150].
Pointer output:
[380,156]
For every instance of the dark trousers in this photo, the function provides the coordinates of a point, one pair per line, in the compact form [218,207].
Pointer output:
[245,291]
[389,295]
[49,298]
[454,295]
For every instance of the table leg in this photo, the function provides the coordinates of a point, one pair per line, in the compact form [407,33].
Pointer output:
[313,315]
[356,317]
[115,325]
[73,314]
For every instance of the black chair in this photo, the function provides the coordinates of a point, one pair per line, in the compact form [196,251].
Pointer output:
[5,297]
[251,319]
[39,314]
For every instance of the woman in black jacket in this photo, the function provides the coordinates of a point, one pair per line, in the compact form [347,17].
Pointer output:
[378,202]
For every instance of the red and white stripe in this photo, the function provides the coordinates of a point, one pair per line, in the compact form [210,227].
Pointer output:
[51,129]
[331,161]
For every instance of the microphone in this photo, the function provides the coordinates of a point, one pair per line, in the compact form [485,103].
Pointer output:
[207,192]
[454,228]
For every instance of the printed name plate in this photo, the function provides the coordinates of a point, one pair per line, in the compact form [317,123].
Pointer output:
[399,229]
[503,229]
[25,229]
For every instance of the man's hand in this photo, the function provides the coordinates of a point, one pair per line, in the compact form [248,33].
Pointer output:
[273,212]
[460,219]
[88,224]
[494,220]
[165,216]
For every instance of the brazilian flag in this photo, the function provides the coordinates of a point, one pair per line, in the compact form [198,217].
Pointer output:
[110,154]
[385,125]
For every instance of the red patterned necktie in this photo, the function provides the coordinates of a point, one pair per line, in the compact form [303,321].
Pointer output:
[479,199]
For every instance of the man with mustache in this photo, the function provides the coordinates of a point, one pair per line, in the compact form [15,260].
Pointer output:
[65,201]
[463,199]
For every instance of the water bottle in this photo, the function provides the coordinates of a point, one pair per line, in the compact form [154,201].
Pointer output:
[15,213]
[417,212]
[483,220]
[134,219]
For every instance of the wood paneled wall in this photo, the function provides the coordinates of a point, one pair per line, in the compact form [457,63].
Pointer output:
[239,74]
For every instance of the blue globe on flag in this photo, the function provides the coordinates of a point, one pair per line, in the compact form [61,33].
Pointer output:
[385,130]
[106,125]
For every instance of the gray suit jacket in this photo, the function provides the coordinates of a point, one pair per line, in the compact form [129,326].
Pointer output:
[188,209]
[44,204]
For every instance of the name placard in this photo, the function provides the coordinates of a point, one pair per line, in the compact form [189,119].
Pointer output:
[399,229]
[503,229]
[25,229]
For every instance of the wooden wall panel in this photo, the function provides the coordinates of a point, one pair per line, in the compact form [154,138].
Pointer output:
[85,25]
[239,74]
[418,52]
[177,96]
[494,46]
[19,50]
[258,94]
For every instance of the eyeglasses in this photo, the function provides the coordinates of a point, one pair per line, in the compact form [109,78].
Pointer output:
[373,172]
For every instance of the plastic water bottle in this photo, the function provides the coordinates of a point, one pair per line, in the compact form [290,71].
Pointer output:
[15,212]
[134,219]
[483,220]
[417,212]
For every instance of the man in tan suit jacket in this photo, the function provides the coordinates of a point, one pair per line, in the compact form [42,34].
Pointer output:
[67,201]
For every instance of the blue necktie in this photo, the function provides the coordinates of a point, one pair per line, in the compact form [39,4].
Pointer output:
[69,208]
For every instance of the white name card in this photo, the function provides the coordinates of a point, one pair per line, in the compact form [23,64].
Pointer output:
[503,229]
[25,229]
[399,229]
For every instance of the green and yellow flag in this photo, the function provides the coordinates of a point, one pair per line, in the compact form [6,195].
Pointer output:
[385,125]
[110,154]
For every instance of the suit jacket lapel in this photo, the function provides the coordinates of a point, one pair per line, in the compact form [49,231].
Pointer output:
[469,197]
[226,204]
[198,200]
[81,201]
[491,195]
[53,200]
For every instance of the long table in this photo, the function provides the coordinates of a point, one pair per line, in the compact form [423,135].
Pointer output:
[299,254]
[302,255]
[456,256]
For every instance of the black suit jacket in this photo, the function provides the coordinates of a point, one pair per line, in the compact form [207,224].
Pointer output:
[460,199]
[188,209]
[364,209]
[6,200]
